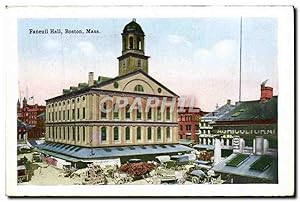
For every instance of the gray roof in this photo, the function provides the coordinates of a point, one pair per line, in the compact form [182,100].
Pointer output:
[108,152]
[253,110]
[219,112]
[244,169]
[204,146]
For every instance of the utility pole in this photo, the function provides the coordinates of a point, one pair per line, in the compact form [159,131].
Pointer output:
[240,79]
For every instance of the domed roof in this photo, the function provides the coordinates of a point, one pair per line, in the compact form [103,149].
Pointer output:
[133,27]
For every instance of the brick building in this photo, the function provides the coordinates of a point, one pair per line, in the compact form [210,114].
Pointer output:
[31,115]
[188,122]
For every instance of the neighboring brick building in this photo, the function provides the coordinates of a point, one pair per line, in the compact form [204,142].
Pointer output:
[188,122]
[31,115]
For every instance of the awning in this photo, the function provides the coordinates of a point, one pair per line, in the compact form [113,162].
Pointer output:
[204,146]
[60,156]
[244,168]
[110,152]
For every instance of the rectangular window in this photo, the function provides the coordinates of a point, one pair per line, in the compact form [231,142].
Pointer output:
[158,133]
[49,117]
[73,114]
[68,116]
[83,112]
[55,116]
[149,133]
[78,134]
[181,128]
[83,134]
[127,132]
[78,113]
[68,133]
[103,134]
[116,134]
[64,115]
[59,115]
[74,135]
[138,133]
[168,135]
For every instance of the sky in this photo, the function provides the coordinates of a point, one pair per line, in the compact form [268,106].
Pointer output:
[197,58]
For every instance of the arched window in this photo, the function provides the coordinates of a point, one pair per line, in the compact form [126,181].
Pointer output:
[158,113]
[127,116]
[158,133]
[116,111]
[139,44]
[139,113]
[139,88]
[138,133]
[127,133]
[124,43]
[168,113]
[103,133]
[131,42]
[149,133]
[149,115]
[103,111]
[116,133]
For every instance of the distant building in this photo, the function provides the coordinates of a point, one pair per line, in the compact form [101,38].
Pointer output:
[250,119]
[22,131]
[188,123]
[29,114]
[205,124]
[253,126]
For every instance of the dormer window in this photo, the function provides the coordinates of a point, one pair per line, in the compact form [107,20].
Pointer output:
[139,88]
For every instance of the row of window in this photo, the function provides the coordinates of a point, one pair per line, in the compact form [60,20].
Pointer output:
[66,114]
[138,113]
[138,133]
[185,118]
[70,133]
[66,102]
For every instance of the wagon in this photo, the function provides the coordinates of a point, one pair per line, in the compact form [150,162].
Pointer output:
[197,176]
[22,174]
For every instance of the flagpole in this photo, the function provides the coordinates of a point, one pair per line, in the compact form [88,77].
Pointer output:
[240,75]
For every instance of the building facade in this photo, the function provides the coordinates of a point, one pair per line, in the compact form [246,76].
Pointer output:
[76,117]
[252,121]
[188,123]
[206,137]
[29,114]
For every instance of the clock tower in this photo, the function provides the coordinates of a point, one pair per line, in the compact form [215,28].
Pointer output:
[133,49]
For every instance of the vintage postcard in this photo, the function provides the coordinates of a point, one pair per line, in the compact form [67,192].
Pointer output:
[150,101]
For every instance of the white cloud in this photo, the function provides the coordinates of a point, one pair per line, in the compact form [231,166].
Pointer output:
[224,49]
[52,44]
[177,40]
[86,48]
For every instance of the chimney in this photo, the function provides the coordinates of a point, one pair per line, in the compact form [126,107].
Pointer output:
[266,93]
[228,102]
[91,78]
